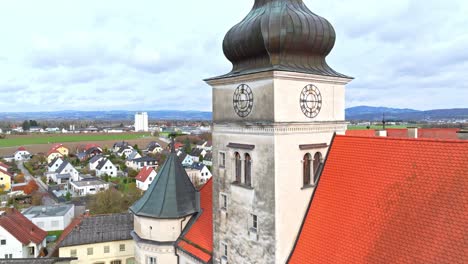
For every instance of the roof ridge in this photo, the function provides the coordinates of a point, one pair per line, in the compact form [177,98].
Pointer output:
[407,139]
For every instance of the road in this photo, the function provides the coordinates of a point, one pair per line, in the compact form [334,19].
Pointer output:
[46,199]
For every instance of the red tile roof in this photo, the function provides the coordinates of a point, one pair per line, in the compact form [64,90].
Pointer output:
[21,227]
[198,241]
[4,165]
[144,174]
[438,133]
[361,133]
[21,149]
[384,200]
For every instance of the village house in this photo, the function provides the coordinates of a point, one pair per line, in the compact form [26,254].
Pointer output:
[19,237]
[124,152]
[54,164]
[51,218]
[198,173]
[5,181]
[153,148]
[99,239]
[118,145]
[88,186]
[131,157]
[208,159]
[52,155]
[196,153]
[145,177]
[65,170]
[22,154]
[106,167]
[138,164]
[61,149]
[4,167]
[187,160]
[88,151]
[94,162]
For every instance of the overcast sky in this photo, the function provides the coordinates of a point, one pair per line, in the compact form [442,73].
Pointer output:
[150,55]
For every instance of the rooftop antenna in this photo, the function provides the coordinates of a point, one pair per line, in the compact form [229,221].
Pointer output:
[383,121]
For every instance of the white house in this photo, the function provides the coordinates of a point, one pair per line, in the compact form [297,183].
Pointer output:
[198,173]
[187,160]
[208,159]
[125,151]
[67,168]
[154,147]
[145,178]
[22,154]
[55,164]
[94,162]
[196,153]
[19,237]
[140,163]
[51,218]
[88,187]
[118,145]
[53,155]
[106,167]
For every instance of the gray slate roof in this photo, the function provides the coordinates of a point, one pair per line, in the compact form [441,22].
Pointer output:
[171,195]
[99,229]
[48,211]
[62,167]
[101,164]
[95,158]
[196,152]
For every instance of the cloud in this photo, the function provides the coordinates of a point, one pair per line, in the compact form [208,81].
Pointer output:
[104,55]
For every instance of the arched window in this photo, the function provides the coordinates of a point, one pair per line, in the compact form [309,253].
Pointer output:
[248,170]
[306,169]
[238,167]
[317,165]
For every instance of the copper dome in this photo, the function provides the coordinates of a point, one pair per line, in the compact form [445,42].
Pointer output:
[281,35]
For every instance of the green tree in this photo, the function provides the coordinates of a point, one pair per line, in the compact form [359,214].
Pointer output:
[68,196]
[132,173]
[26,126]
[187,146]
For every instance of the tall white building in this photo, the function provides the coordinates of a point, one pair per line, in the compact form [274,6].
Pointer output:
[141,122]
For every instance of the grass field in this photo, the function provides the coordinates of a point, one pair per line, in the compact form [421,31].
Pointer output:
[372,127]
[28,140]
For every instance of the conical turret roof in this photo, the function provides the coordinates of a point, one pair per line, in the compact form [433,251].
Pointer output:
[170,195]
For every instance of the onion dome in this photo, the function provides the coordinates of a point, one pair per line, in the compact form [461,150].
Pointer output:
[282,35]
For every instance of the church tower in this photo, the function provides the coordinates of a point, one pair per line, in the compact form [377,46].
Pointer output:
[163,213]
[274,116]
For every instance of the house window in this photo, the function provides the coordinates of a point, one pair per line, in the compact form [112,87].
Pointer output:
[317,165]
[7,256]
[253,223]
[106,249]
[238,167]
[222,159]
[130,261]
[31,251]
[248,170]
[3,242]
[90,251]
[73,253]
[116,262]
[306,169]
[152,260]
[122,247]
[223,201]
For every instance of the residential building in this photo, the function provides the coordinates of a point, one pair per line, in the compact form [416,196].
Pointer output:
[88,186]
[145,177]
[197,153]
[54,164]
[125,151]
[94,162]
[154,147]
[38,261]
[131,157]
[5,181]
[106,167]
[118,145]
[99,239]
[4,167]
[187,160]
[64,169]
[140,163]
[22,154]
[19,237]
[51,218]
[198,173]
[60,148]
[88,151]
[52,155]
[141,122]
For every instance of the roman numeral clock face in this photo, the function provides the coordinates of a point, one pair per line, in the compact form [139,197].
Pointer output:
[243,100]
[311,101]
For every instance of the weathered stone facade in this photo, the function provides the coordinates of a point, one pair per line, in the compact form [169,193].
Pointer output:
[272,135]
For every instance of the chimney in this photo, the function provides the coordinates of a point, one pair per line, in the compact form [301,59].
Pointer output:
[381,133]
[462,134]
[412,132]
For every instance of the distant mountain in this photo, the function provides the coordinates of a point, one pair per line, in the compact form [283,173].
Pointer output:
[353,113]
[106,115]
[376,114]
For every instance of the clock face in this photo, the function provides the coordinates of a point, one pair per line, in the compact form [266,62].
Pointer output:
[311,101]
[243,100]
